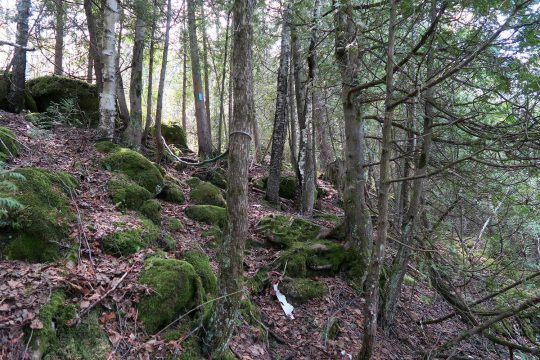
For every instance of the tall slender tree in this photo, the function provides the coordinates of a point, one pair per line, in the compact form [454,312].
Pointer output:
[60,17]
[95,46]
[16,94]
[281,115]
[149,89]
[223,320]
[204,136]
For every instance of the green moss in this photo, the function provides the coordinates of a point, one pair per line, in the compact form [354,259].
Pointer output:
[43,222]
[48,89]
[169,244]
[136,167]
[152,210]
[175,287]
[174,135]
[172,193]
[201,263]
[301,290]
[30,102]
[128,239]
[258,282]
[126,193]
[205,193]
[285,230]
[57,340]
[214,235]
[175,224]
[209,214]
[215,176]
[333,329]
[8,144]
[106,146]
[287,187]
[191,350]
[303,258]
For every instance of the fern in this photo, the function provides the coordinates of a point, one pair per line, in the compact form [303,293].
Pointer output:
[8,204]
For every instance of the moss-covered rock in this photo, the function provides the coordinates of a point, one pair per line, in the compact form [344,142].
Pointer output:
[174,224]
[125,193]
[53,89]
[172,193]
[216,176]
[152,210]
[205,193]
[285,230]
[37,229]
[258,282]
[174,135]
[8,144]
[313,257]
[209,214]
[133,165]
[56,339]
[300,290]
[201,264]
[128,239]
[176,288]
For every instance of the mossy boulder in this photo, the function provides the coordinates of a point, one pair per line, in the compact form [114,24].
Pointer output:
[176,289]
[174,135]
[132,164]
[300,290]
[53,89]
[35,231]
[205,193]
[152,210]
[209,214]
[201,264]
[287,186]
[125,193]
[129,238]
[286,230]
[313,257]
[8,144]
[172,193]
[216,176]
[56,339]
[174,224]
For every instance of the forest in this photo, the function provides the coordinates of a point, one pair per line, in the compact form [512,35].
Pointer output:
[273,179]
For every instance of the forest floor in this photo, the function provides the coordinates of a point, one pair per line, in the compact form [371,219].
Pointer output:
[112,282]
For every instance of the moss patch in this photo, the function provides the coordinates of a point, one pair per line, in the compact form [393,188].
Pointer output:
[129,239]
[205,193]
[215,176]
[301,290]
[172,193]
[209,214]
[174,135]
[48,89]
[176,288]
[313,257]
[174,224]
[126,193]
[44,220]
[56,339]
[152,210]
[201,264]
[285,230]
[135,166]
[8,145]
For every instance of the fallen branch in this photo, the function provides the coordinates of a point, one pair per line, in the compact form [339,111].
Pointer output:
[2,42]
[187,161]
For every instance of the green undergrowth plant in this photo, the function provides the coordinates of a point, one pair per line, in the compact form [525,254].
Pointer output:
[8,203]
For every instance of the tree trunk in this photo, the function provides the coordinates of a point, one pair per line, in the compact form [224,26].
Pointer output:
[160,147]
[149,90]
[399,265]
[120,90]
[357,223]
[224,317]
[134,129]
[107,101]
[222,90]
[184,76]
[90,67]
[293,134]
[95,48]
[60,16]
[203,130]
[281,115]
[16,94]
[371,310]
[205,71]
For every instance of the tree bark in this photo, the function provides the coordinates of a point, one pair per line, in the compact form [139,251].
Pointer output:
[95,48]
[203,130]
[16,94]
[184,76]
[107,101]
[120,90]
[357,223]
[293,133]
[371,309]
[222,91]
[149,90]
[281,115]
[160,147]
[89,67]
[205,72]
[134,129]
[59,13]
[223,319]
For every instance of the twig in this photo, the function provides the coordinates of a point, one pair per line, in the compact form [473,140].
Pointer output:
[2,42]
